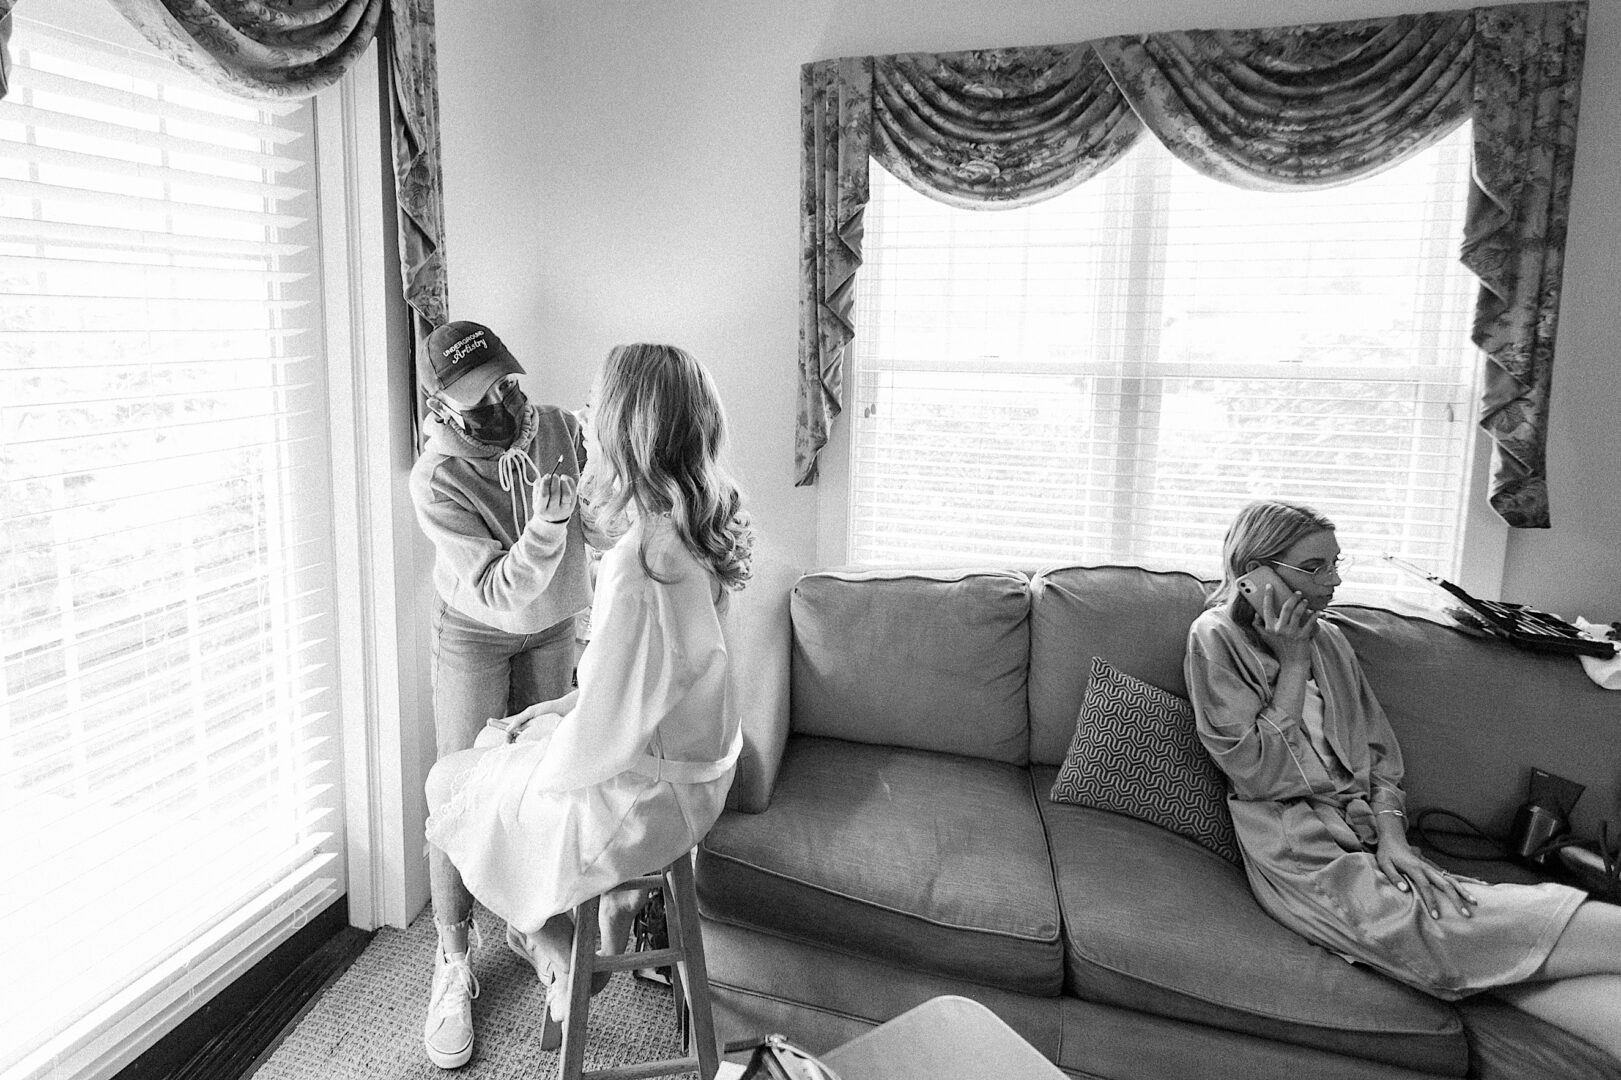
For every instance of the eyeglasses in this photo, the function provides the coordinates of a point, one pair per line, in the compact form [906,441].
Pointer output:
[1337,568]
[775,1058]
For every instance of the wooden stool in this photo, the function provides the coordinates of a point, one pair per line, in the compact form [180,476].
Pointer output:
[686,953]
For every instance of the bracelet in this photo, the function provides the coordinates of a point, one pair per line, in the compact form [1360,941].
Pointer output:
[1398,813]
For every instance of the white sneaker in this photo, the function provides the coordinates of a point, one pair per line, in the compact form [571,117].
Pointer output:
[448,1031]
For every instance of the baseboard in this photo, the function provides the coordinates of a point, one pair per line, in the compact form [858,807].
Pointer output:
[226,1038]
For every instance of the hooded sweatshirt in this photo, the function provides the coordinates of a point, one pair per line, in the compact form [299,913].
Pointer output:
[495,559]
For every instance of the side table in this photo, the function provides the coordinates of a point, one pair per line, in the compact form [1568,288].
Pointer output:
[945,1038]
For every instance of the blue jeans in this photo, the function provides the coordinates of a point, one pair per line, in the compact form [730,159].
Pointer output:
[480,673]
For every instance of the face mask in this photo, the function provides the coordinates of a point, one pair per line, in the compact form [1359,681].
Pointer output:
[496,424]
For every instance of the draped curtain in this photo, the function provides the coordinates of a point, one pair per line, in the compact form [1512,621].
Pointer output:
[5,49]
[418,191]
[269,49]
[1273,108]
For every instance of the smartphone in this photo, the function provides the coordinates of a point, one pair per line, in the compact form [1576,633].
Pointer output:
[1253,585]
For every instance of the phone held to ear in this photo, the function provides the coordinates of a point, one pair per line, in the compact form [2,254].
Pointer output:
[1253,584]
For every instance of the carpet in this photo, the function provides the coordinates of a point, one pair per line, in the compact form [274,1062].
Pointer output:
[367,1025]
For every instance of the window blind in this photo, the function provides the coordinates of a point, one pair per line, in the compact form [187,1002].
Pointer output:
[1108,375]
[166,741]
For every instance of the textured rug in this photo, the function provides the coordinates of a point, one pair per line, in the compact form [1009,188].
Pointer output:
[367,1025]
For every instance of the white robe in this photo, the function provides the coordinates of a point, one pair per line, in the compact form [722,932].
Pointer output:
[634,776]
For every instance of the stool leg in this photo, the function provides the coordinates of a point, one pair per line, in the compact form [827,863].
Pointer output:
[683,1015]
[686,935]
[571,1061]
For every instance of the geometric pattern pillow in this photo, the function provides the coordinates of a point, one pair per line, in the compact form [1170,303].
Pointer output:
[1136,752]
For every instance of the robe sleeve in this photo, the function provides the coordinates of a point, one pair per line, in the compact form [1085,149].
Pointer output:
[631,675]
[1264,751]
[1385,768]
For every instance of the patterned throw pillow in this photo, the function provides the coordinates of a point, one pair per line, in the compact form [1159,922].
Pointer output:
[1136,752]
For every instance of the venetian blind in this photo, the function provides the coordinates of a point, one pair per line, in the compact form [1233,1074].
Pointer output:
[166,779]
[1108,375]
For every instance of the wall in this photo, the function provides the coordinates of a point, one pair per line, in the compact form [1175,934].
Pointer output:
[628,169]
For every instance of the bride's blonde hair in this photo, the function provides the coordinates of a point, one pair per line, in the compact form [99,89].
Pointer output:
[660,429]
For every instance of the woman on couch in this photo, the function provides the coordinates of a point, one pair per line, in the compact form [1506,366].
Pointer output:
[1315,788]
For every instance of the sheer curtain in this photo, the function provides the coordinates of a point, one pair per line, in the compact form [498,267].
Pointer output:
[168,724]
[1104,376]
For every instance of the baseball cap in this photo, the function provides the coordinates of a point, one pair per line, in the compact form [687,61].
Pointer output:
[462,359]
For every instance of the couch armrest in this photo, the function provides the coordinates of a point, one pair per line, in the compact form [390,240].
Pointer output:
[761,647]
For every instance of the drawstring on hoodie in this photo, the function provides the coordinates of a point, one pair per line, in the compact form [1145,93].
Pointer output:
[517,475]
[515,470]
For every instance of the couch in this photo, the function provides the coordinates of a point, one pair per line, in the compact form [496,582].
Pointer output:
[889,837]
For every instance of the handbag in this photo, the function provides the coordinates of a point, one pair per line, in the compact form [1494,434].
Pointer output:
[775,1058]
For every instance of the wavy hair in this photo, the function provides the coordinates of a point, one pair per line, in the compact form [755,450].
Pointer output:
[660,429]
[1261,532]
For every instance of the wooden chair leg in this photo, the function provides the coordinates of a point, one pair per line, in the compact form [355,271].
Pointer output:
[688,937]
[571,1061]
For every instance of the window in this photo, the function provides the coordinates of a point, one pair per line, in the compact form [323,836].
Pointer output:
[166,723]
[1107,375]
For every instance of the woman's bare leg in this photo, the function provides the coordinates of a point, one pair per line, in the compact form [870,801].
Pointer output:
[551,950]
[615,916]
[1578,987]
[1589,945]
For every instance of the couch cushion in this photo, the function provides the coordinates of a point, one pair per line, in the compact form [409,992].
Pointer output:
[1156,923]
[933,862]
[1136,752]
[932,660]
[1136,619]
[1475,715]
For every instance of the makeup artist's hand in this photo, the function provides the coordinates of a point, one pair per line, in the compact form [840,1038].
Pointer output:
[555,496]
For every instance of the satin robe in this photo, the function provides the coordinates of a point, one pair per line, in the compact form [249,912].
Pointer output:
[1309,839]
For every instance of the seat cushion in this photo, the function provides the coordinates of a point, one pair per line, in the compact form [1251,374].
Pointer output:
[932,862]
[1154,922]
[1506,1043]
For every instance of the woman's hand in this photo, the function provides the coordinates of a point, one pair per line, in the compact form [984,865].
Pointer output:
[1287,624]
[515,723]
[555,495]
[1411,872]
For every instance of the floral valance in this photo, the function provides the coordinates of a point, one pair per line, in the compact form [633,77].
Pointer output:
[251,48]
[1008,127]
[1272,108]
